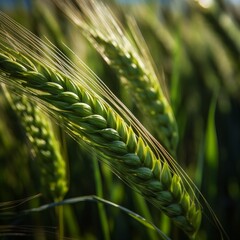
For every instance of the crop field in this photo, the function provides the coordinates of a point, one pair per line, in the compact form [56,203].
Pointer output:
[119,120]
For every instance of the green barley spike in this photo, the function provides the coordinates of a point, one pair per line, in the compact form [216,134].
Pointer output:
[45,147]
[102,30]
[125,151]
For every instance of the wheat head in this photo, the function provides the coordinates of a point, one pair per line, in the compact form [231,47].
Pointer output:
[116,142]
[44,146]
[131,64]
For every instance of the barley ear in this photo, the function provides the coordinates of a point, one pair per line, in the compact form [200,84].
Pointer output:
[90,118]
[104,32]
[44,146]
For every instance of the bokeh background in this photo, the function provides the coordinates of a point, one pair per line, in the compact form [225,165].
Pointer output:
[196,49]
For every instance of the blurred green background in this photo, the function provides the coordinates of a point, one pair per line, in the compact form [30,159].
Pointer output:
[196,47]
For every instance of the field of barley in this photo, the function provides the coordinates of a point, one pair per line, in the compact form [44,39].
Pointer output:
[119,119]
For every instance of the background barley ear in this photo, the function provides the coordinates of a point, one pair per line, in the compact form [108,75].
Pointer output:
[44,146]
[132,64]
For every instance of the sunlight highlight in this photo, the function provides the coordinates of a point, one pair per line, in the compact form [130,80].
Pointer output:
[205,3]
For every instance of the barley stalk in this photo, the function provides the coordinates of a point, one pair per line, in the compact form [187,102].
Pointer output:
[105,34]
[44,145]
[87,116]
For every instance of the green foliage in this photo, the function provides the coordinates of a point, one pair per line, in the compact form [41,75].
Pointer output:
[196,51]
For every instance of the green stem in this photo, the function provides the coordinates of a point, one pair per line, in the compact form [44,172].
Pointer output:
[59,210]
[99,191]
[143,207]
